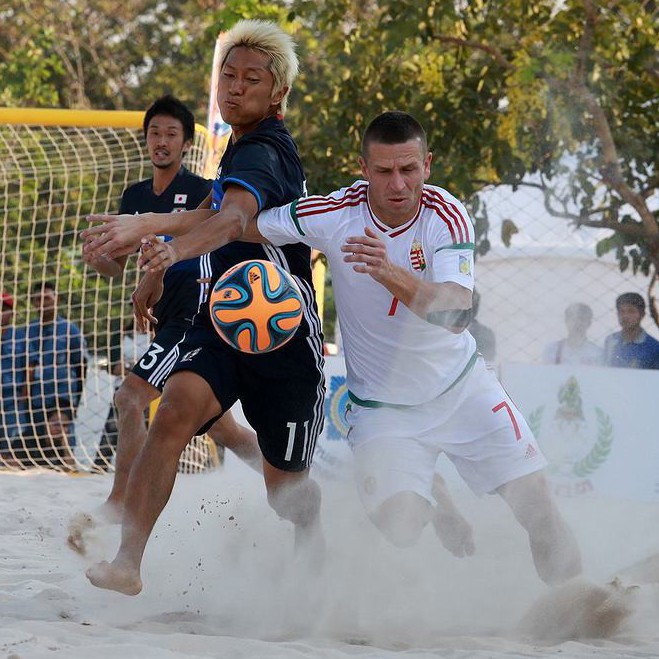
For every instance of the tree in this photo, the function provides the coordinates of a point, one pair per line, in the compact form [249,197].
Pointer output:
[86,54]
[558,95]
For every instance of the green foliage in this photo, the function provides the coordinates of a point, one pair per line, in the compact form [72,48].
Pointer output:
[565,91]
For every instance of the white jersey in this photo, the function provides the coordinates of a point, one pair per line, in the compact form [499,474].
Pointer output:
[561,352]
[392,355]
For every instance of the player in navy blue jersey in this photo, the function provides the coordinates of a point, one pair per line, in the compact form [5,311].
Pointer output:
[169,132]
[282,392]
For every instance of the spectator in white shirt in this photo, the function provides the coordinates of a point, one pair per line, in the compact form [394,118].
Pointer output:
[575,348]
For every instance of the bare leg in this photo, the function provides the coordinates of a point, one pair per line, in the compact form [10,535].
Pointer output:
[239,439]
[187,403]
[402,518]
[452,528]
[554,548]
[296,497]
[645,571]
[131,400]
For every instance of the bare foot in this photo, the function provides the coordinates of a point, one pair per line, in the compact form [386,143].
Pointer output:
[454,532]
[115,577]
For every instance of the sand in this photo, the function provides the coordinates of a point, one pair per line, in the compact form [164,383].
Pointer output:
[221,581]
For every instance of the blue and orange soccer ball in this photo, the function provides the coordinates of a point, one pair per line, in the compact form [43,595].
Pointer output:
[256,306]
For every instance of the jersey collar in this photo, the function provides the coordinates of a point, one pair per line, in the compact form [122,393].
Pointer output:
[392,232]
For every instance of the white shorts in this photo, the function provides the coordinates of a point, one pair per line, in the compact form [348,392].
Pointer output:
[475,424]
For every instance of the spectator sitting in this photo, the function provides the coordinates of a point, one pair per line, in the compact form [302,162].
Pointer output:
[47,445]
[13,369]
[575,348]
[485,339]
[57,357]
[632,347]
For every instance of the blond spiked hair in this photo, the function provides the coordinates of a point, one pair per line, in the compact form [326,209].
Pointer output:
[268,38]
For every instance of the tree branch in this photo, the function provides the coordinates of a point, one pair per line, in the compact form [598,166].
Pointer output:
[493,51]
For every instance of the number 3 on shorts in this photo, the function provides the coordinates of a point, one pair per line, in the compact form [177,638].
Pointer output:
[503,405]
[153,352]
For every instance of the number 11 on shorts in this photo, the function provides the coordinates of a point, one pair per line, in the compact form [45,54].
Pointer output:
[503,405]
[292,427]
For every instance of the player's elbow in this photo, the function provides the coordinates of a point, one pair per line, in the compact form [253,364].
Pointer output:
[459,296]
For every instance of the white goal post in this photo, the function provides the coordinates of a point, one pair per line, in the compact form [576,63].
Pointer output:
[56,167]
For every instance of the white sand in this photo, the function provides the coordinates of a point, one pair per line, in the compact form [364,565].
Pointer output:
[220,580]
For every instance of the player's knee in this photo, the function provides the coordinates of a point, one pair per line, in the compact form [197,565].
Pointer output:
[130,396]
[299,502]
[172,425]
[402,518]
[400,533]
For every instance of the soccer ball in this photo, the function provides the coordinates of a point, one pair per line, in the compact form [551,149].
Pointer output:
[256,306]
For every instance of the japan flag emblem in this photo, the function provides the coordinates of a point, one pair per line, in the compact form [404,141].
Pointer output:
[180,198]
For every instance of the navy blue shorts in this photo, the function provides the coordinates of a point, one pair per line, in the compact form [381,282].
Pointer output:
[282,393]
[157,362]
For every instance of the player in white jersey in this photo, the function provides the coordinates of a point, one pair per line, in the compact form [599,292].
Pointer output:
[401,255]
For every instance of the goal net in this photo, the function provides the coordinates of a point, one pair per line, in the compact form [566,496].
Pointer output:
[56,167]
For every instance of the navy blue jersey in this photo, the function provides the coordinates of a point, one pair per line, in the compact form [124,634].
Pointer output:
[266,162]
[183,293]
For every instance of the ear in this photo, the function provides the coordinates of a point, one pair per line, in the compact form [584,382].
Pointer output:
[278,96]
[364,167]
[187,145]
[427,161]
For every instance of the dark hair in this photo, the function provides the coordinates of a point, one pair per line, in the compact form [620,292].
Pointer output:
[634,299]
[393,128]
[170,106]
[38,286]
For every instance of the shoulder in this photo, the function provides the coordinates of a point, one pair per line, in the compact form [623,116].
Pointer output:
[350,197]
[270,135]
[612,338]
[449,213]
[550,351]
[138,188]
[67,326]
[191,178]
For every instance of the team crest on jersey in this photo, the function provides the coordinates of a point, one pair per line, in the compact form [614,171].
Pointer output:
[417,258]
[464,265]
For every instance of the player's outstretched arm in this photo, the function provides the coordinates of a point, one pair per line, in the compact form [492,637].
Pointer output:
[236,220]
[437,302]
[104,265]
[120,235]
